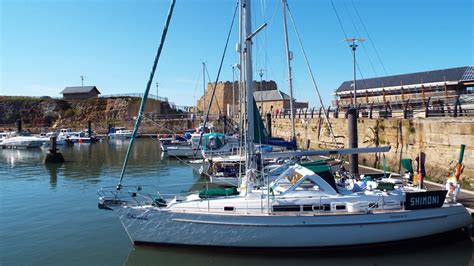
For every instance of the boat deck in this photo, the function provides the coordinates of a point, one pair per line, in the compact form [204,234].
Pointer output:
[466,197]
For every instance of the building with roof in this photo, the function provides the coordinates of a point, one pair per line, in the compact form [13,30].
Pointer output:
[413,91]
[226,101]
[80,93]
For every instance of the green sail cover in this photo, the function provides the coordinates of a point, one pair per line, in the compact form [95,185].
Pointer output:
[319,167]
[260,132]
[218,192]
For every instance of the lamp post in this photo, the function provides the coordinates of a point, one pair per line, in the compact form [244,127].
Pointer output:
[82,80]
[353,44]
[157,85]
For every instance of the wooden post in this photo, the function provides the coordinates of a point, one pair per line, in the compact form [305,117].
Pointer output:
[371,109]
[401,90]
[456,104]
[423,93]
[405,109]
[427,107]
[18,125]
[89,129]
[445,88]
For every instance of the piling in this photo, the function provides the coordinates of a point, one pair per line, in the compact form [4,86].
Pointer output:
[89,128]
[18,125]
[224,120]
[53,156]
[353,141]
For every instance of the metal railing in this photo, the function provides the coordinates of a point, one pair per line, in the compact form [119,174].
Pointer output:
[134,95]
[445,106]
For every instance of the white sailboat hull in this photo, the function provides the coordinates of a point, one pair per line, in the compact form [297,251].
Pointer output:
[154,225]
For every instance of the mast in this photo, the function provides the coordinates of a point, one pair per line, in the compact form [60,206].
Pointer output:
[247,52]
[288,63]
[204,88]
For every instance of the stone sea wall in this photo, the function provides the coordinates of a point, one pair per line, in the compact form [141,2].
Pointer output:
[438,138]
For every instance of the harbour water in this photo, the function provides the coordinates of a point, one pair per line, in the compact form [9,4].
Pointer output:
[49,216]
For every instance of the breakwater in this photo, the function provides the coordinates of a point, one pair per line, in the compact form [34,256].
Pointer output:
[438,138]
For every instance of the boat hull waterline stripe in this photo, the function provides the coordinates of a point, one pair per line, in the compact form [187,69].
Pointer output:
[307,225]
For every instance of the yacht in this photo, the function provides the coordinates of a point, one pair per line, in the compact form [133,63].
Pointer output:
[299,209]
[305,206]
[21,142]
[120,133]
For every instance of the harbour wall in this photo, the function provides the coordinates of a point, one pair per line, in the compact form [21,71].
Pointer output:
[438,138]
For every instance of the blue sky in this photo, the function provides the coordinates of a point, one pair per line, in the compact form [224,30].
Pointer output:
[47,45]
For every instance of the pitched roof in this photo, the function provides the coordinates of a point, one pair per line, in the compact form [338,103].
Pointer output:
[450,74]
[270,95]
[79,89]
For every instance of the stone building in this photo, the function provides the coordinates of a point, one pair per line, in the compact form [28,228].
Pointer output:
[266,94]
[80,93]
[414,90]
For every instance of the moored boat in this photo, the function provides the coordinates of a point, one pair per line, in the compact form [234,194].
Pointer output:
[120,133]
[302,207]
[298,209]
[21,142]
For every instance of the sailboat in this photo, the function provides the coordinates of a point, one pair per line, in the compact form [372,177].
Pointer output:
[302,207]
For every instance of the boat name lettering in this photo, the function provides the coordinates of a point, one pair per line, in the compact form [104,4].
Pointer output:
[133,216]
[424,200]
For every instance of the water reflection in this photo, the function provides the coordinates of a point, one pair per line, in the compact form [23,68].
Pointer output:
[448,249]
[13,157]
[52,170]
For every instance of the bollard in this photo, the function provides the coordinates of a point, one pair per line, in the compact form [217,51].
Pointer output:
[53,156]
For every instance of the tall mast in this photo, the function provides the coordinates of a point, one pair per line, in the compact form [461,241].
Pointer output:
[288,63]
[249,82]
[204,87]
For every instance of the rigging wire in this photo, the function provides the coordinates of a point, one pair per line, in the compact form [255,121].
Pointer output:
[326,115]
[180,159]
[147,90]
[217,102]
[358,34]
[370,38]
[206,118]
[346,37]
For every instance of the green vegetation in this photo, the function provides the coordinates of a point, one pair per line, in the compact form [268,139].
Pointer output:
[21,99]
[70,113]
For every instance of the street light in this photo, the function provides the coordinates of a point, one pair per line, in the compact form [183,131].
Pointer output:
[82,80]
[353,44]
